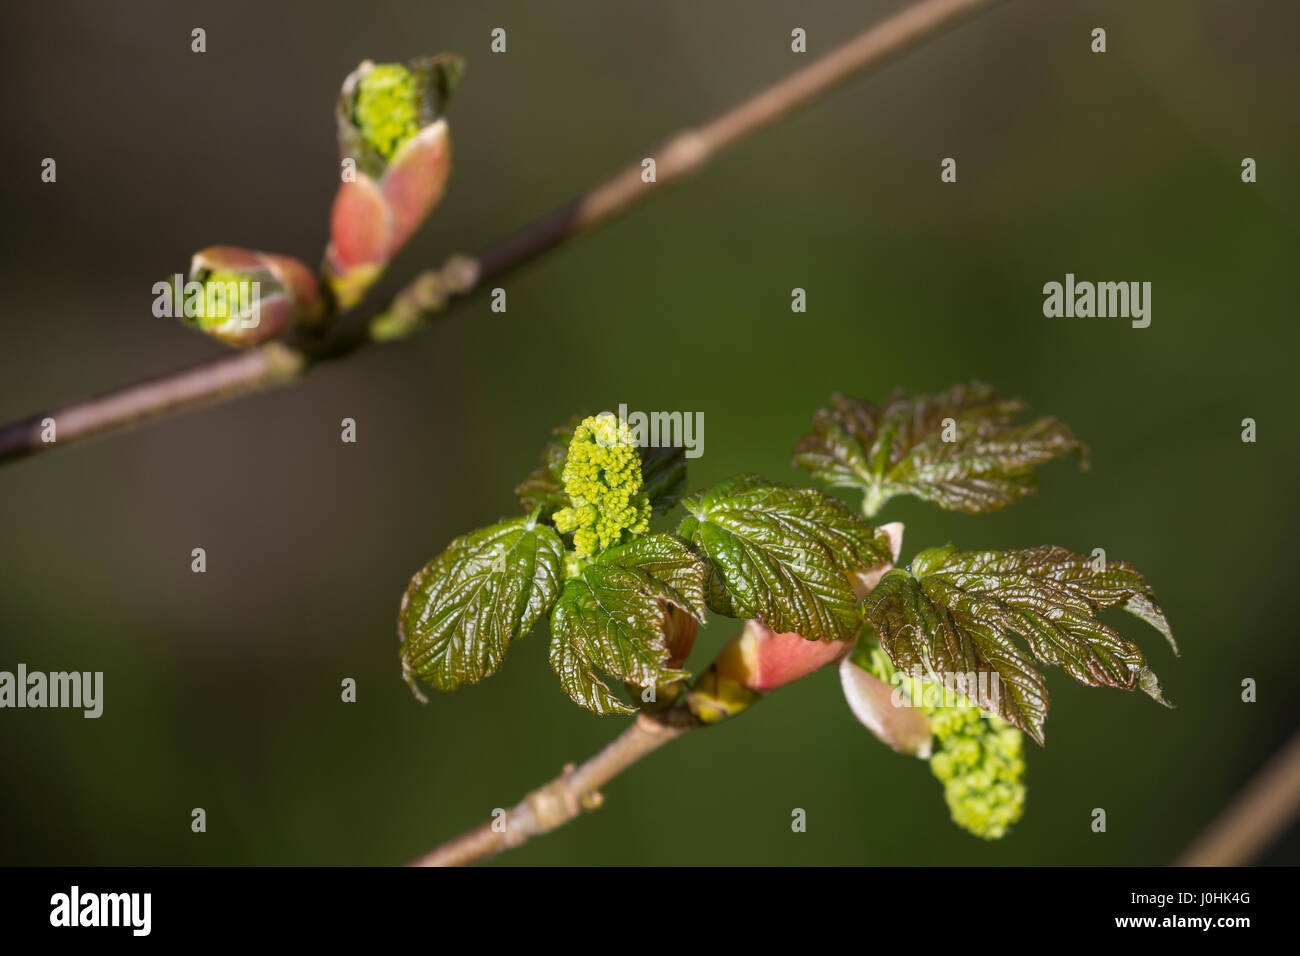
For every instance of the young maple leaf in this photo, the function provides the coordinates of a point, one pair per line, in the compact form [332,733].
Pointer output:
[961,450]
[955,612]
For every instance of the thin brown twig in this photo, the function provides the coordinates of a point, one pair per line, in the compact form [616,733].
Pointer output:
[1258,815]
[1262,811]
[279,363]
[574,791]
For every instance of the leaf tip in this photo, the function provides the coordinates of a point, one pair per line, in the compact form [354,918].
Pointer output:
[1150,685]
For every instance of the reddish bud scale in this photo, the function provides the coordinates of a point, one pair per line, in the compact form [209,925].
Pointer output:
[755,662]
[884,712]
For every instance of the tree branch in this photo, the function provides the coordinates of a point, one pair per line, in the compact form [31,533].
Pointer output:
[226,377]
[429,292]
[564,798]
[1262,811]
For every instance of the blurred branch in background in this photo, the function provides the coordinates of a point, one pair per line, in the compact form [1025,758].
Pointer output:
[1258,815]
[281,362]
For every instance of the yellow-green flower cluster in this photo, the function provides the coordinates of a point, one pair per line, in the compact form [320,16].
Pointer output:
[981,764]
[602,477]
[387,107]
[980,760]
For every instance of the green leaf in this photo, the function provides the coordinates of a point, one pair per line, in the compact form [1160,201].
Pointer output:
[463,608]
[579,680]
[954,615]
[783,555]
[614,617]
[663,474]
[899,448]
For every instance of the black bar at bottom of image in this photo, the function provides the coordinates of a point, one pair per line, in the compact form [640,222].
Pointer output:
[90,904]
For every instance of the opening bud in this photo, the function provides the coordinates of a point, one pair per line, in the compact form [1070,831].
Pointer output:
[245,298]
[391,126]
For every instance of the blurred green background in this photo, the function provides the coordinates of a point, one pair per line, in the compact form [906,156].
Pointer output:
[222,689]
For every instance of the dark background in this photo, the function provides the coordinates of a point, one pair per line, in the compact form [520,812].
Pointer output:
[222,689]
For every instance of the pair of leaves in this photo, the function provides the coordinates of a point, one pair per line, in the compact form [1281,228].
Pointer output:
[954,614]
[615,617]
[783,555]
[663,474]
[960,450]
[462,610]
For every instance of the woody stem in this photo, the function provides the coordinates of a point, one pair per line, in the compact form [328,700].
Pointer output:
[280,363]
[573,792]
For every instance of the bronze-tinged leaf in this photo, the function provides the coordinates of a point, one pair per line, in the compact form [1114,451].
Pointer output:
[579,679]
[463,608]
[954,615]
[789,557]
[613,618]
[663,476]
[961,450]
